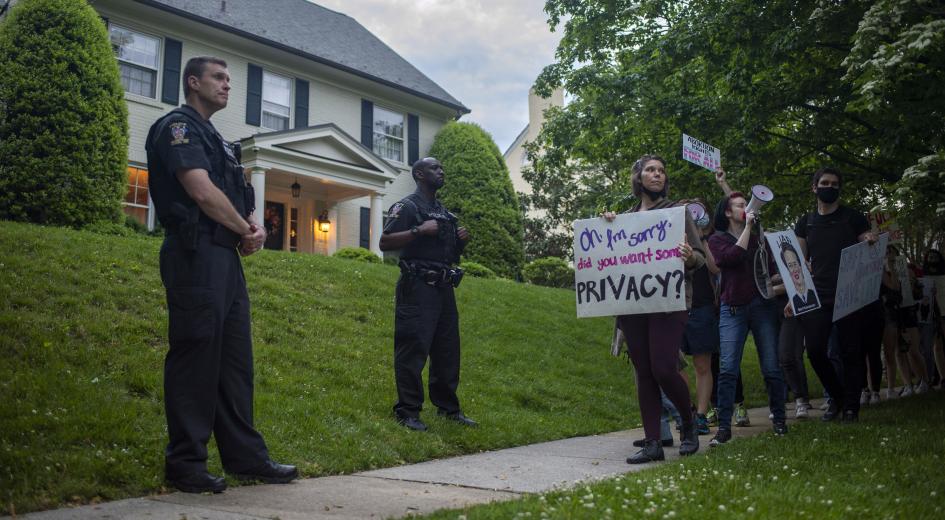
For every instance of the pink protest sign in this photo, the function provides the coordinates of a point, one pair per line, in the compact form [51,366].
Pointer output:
[700,153]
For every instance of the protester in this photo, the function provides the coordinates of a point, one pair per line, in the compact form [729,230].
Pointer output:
[934,265]
[655,337]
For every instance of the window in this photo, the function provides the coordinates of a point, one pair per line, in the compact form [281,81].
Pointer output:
[136,198]
[275,101]
[388,134]
[137,60]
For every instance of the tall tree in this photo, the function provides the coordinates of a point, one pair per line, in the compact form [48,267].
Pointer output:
[63,119]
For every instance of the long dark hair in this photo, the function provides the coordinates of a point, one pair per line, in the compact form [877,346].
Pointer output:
[636,184]
[721,221]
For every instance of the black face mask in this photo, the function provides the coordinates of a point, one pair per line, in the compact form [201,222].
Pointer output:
[654,195]
[828,194]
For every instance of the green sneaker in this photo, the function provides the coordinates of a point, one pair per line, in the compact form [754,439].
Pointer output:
[741,415]
[712,417]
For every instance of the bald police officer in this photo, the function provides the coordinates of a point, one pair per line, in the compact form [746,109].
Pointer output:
[206,208]
[426,323]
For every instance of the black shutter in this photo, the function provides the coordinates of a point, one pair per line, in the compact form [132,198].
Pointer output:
[367,124]
[413,139]
[301,103]
[170,86]
[365,228]
[105,19]
[254,95]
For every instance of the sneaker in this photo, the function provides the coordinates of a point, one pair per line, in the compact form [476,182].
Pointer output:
[906,391]
[712,416]
[890,393]
[651,451]
[702,424]
[721,437]
[741,415]
[826,404]
[831,412]
[770,416]
[801,409]
[688,440]
[639,443]
[780,428]
[922,387]
[864,398]
[874,398]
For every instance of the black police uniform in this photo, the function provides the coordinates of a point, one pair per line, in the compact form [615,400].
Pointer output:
[208,371]
[426,323]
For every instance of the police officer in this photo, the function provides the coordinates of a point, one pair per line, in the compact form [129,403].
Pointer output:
[426,323]
[206,207]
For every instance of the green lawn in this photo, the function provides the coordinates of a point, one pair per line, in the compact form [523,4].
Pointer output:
[887,466]
[83,325]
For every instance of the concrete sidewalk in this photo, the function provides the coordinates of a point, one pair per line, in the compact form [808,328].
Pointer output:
[414,489]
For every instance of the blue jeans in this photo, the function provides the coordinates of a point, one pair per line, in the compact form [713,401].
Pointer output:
[761,317]
[669,411]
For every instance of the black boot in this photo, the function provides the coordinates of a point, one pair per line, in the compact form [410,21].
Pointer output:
[651,451]
[688,438]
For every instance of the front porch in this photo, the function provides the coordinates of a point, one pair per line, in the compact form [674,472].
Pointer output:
[302,177]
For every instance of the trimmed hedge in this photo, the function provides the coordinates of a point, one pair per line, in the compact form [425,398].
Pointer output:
[357,253]
[63,121]
[478,189]
[550,272]
[477,270]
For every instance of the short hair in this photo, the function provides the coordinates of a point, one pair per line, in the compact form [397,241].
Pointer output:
[826,171]
[786,246]
[418,165]
[195,67]
[721,221]
[636,184]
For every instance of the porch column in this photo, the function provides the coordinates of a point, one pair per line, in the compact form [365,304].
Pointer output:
[258,180]
[377,222]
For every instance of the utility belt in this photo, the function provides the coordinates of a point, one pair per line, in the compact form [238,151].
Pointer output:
[189,234]
[439,277]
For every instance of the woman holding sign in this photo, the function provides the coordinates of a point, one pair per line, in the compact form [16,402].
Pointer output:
[654,339]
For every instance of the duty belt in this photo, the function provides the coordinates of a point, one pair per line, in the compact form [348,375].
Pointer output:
[442,277]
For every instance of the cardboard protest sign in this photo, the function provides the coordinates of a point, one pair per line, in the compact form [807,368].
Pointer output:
[701,154]
[861,273]
[885,222]
[793,270]
[905,283]
[631,265]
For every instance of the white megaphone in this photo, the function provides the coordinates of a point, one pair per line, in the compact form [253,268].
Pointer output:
[760,195]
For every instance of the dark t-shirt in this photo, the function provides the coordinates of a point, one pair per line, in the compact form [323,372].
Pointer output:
[703,294]
[826,237]
[434,251]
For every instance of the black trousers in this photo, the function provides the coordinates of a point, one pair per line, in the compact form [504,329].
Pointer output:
[208,371]
[817,326]
[426,325]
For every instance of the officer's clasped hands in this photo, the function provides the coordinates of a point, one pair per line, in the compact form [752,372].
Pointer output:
[429,227]
[253,241]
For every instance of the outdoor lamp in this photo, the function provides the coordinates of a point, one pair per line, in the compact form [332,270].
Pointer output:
[323,223]
[296,189]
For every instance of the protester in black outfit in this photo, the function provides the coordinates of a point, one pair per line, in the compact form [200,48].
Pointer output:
[206,208]
[426,323]
[823,234]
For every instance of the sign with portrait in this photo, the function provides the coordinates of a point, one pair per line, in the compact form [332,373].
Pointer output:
[793,269]
[700,153]
[631,265]
[861,273]
[274,221]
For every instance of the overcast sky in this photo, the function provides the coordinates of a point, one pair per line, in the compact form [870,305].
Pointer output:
[486,53]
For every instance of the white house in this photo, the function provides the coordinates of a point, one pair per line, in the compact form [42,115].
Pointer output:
[515,157]
[329,117]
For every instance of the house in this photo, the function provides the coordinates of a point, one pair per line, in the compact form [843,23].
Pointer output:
[515,157]
[328,116]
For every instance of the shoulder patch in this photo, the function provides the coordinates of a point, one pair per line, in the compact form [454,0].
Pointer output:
[394,210]
[179,132]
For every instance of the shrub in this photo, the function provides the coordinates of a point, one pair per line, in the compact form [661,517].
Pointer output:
[550,272]
[357,253]
[478,189]
[391,260]
[136,226]
[477,270]
[63,119]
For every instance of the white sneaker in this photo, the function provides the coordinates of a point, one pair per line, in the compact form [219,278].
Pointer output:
[874,398]
[922,387]
[800,409]
[864,398]
[770,416]
[826,404]
[906,391]
[889,393]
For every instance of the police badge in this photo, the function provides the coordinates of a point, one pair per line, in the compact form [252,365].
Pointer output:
[179,133]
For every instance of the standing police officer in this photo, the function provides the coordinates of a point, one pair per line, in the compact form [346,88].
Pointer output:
[426,323]
[206,207]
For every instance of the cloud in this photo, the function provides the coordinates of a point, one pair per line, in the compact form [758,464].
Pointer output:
[486,53]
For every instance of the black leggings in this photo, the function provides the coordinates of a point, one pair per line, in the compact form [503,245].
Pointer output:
[874,323]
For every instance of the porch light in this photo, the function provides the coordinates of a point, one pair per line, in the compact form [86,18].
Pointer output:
[324,225]
[296,189]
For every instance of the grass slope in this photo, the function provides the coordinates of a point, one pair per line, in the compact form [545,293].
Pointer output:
[83,336]
[887,466]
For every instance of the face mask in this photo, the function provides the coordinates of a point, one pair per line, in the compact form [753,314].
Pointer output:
[828,194]
[654,195]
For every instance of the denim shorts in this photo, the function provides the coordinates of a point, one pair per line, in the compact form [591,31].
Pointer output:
[702,331]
